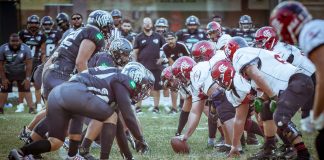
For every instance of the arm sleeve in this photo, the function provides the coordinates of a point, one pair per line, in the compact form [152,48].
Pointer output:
[124,105]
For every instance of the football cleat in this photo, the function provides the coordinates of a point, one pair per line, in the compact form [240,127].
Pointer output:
[16,155]
[24,134]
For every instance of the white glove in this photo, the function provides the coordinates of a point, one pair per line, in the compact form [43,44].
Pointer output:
[319,121]
[306,124]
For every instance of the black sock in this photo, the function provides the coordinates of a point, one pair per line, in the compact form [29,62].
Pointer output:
[122,140]
[319,144]
[73,148]
[108,134]
[86,143]
[181,103]
[182,120]
[212,128]
[37,147]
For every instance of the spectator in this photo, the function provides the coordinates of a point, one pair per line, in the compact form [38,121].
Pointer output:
[173,50]
[127,31]
[147,51]
[76,22]
[14,58]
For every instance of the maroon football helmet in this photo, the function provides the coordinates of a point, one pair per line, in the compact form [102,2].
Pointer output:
[202,51]
[182,67]
[223,72]
[266,38]
[288,18]
[234,44]
[168,80]
[214,27]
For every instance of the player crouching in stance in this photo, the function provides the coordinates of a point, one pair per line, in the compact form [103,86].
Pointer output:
[95,93]
[240,94]
[285,87]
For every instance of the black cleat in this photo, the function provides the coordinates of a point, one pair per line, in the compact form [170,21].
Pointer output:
[251,139]
[32,111]
[16,155]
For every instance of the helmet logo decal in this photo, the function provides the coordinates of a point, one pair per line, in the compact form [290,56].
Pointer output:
[203,49]
[277,25]
[132,84]
[184,65]
[267,33]
[222,68]
[136,75]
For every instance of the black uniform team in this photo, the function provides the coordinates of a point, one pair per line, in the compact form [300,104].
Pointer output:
[87,77]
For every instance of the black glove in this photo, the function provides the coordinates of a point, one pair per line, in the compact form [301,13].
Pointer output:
[141,146]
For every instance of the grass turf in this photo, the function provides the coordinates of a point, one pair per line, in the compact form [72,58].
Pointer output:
[158,130]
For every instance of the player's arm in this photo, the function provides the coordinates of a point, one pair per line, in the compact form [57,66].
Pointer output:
[317,57]
[239,121]
[87,47]
[255,74]
[194,117]
[124,105]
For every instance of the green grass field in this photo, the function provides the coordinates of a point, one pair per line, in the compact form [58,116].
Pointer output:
[158,130]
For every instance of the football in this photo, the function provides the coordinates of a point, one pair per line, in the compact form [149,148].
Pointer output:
[179,146]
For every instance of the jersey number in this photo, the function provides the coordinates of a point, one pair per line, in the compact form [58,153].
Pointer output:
[49,49]
[278,58]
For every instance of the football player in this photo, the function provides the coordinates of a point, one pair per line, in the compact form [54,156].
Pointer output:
[284,86]
[246,29]
[294,25]
[88,94]
[192,34]
[35,39]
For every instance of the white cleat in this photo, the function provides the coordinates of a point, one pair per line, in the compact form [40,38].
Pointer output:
[20,108]
[39,107]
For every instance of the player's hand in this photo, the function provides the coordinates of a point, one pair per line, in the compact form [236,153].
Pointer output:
[234,153]
[5,82]
[26,83]
[159,61]
[141,146]
[182,137]
[273,103]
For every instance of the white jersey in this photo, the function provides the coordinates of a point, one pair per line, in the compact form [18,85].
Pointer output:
[311,36]
[222,41]
[241,93]
[200,76]
[276,71]
[287,51]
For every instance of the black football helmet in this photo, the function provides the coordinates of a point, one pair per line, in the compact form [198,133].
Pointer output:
[47,23]
[142,80]
[61,18]
[192,20]
[100,19]
[120,50]
[33,22]
[245,22]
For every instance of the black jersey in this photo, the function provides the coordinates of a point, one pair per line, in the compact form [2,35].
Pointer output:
[191,38]
[33,41]
[99,81]
[129,36]
[52,39]
[248,35]
[101,59]
[68,50]
[179,50]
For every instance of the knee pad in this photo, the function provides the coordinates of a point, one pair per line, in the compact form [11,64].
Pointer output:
[112,119]
[265,113]
[289,131]
[42,128]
